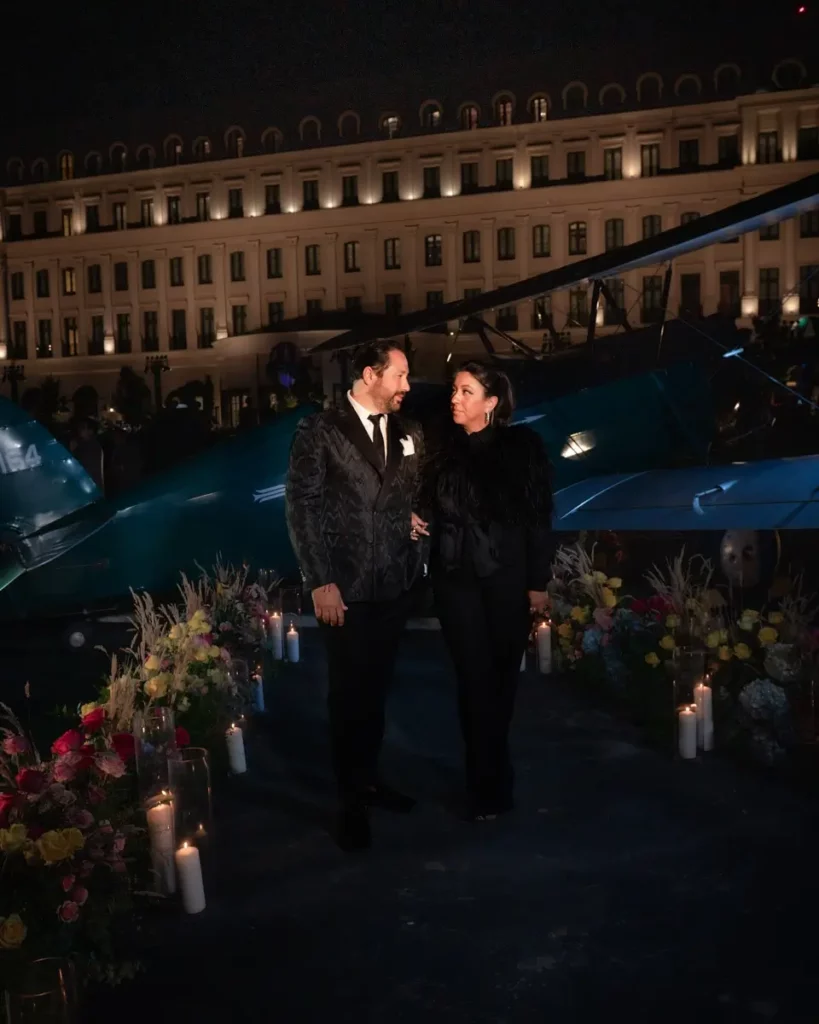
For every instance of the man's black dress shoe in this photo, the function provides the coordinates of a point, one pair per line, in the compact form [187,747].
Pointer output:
[388,799]
[353,826]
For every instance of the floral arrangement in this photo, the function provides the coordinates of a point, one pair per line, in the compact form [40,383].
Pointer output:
[65,831]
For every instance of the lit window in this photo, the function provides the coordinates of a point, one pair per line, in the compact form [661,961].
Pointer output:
[433,251]
[539,108]
[577,238]
[503,111]
[67,223]
[69,281]
[351,257]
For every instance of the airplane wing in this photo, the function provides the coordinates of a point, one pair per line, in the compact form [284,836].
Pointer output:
[774,494]
[751,214]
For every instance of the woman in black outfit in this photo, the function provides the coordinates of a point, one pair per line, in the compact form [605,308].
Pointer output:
[489,498]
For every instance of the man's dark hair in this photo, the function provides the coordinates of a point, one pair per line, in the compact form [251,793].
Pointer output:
[375,354]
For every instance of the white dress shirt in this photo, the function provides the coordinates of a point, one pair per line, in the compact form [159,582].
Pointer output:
[363,415]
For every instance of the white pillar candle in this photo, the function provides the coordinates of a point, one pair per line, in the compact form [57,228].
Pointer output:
[544,648]
[258,692]
[276,636]
[703,698]
[189,870]
[160,834]
[523,662]
[236,750]
[687,729]
[292,644]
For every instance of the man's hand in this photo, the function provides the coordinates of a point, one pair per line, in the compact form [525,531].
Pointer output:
[329,605]
[538,602]
[418,528]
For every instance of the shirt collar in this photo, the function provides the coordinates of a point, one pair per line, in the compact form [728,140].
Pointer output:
[362,413]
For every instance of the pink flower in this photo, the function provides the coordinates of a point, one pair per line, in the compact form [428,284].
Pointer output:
[119,844]
[69,741]
[225,627]
[79,895]
[111,764]
[96,794]
[602,616]
[81,818]
[86,868]
[30,780]
[14,745]
[68,883]
[68,912]
[94,720]
[66,768]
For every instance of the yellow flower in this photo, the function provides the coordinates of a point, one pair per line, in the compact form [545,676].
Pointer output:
[55,846]
[672,622]
[713,639]
[723,636]
[749,613]
[152,663]
[74,838]
[157,687]
[692,604]
[775,618]
[201,627]
[214,651]
[652,659]
[742,651]
[13,839]
[177,632]
[746,624]
[86,709]
[579,614]
[12,932]
[565,629]
[668,643]
[725,653]
[767,635]
[615,583]
[202,654]
[609,599]
[599,577]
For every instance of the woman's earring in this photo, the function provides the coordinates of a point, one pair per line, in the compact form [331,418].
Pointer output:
[489,417]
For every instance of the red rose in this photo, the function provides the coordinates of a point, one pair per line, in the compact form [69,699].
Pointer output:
[30,780]
[79,895]
[640,607]
[87,752]
[68,912]
[69,741]
[94,720]
[6,804]
[68,883]
[183,738]
[123,744]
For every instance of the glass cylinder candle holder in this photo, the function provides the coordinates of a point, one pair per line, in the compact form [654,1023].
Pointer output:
[689,686]
[45,991]
[189,775]
[160,813]
[154,740]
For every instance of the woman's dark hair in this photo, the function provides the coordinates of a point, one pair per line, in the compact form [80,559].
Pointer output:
[496,385]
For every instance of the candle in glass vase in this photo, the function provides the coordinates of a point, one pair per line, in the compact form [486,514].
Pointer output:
[236,750]
[276,636]
[705,716]
[292,644]
[160,833]
[258,692]
[544,648]
[687,731]
[189,871]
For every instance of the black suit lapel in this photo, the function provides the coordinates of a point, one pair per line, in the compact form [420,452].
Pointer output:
[354,430]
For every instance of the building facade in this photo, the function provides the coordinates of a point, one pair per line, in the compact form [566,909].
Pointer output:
[210,252]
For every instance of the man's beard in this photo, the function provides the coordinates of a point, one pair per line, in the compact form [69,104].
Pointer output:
[394,403]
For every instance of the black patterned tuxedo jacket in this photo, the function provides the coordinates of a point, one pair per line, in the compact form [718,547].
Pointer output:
[349,522]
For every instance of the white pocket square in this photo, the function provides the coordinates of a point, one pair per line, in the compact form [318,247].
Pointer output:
[407,446]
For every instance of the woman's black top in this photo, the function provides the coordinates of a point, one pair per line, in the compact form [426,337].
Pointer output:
[488,496]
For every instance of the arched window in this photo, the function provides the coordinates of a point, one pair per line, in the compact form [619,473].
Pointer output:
[390,124]
[272,140]
[470,117]
[66,166]
[539,108]
[310,131]
[726,79]
[201,148]
[612,95]
[15,170]
[93,163]
[119,157]
[431,115]
[575,97]
[688,88]
[789,73]
[650,89]
[235,142]
[349,125]
[172,148]
[39,170]
[145,157]
[504,109]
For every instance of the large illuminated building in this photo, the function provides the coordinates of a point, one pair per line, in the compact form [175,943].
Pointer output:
[210,244]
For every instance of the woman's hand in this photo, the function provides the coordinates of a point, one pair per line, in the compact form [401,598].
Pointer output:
[418,528]
[538,602]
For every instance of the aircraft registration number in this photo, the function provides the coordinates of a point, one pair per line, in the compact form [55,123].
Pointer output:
[16,460]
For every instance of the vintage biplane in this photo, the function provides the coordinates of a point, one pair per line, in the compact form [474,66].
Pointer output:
[67,551]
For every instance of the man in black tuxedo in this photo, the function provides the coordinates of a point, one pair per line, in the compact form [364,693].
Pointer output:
[351,486]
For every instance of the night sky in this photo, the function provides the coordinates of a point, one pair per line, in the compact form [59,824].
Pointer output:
[100,56]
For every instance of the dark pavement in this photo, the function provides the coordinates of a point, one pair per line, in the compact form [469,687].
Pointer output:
[625,887]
